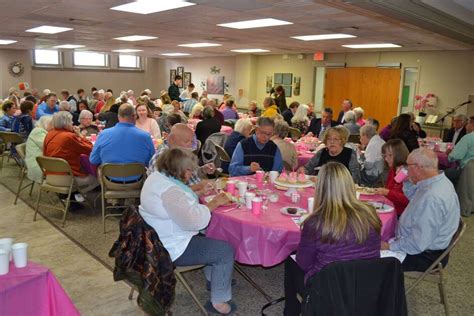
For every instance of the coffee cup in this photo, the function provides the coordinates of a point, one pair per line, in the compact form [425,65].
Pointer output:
[248,199]
[273,176]
[4,261]
[242,186]
[230,186]
[310,204]
[401,176]
[20,254]
[257,205]
[260,174]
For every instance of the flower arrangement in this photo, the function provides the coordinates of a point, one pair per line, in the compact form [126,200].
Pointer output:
[424,102]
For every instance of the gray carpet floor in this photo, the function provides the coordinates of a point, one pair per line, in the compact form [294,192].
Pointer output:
[85,228]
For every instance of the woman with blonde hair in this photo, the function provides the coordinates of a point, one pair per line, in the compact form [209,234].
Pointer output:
[340,228]
[146,121]
[300,120]
[359,116]
[196,112]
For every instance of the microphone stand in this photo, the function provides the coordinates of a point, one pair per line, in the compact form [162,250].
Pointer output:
[441,120]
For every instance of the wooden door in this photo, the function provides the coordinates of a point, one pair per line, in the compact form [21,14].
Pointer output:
[376,90]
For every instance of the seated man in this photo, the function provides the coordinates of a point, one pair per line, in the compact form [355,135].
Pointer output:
[182,136]
[48,107]
[432,216]
[458,130]
[257,152]
[123,143]
[463,152]
[6,121]
[318,126]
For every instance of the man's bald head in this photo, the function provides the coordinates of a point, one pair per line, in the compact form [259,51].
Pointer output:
[181,136]
[126,113]
[422,164]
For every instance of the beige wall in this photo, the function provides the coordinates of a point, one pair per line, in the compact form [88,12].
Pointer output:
[6,79]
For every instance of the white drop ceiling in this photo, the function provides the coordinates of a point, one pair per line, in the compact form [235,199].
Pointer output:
[95,26]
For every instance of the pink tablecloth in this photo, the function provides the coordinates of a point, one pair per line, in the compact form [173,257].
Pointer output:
[303,157]
[33,290]
[226,129]
[443,161]
[268,239]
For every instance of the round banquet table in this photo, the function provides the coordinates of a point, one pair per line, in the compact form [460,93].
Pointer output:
[226,129]
[303,157]
[33,290]
[443,161]
[269,238]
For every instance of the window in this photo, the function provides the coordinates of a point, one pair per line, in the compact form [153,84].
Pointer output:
[129,61]
[91,59]
[46,57]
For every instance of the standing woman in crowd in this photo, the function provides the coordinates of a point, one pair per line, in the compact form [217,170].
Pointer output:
[280,99]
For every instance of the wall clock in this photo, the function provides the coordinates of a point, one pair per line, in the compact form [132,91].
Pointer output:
[16,68]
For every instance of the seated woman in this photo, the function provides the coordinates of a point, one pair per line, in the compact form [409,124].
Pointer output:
[146,121]
[300,120]
[373,165]
[228,111]
[242,130]
[207,126]
[403,129]
[85,123]
[340,228]
[335,138]
[173,210]
[270,109]
[34,147]
[23,123]
[287,149]
[359,116]
[254,111]
[350,123]
[395,153]
[196,112]
[66,141]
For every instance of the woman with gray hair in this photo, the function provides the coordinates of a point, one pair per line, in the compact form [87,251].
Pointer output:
[66,141]
[287,149]
[372,160]
[242,130]
[34,147]
[350,123]
[173,210]
[85,123]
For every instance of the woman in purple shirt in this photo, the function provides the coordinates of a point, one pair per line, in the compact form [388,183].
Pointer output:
[340,228]
[229,112]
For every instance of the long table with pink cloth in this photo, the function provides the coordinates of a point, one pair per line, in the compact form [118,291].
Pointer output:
[269,238]
[33,290]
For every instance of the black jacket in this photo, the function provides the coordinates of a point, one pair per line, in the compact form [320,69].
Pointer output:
[280,102]
[357,288]
[173,92]
[287,116]
[315,126]
[448,138]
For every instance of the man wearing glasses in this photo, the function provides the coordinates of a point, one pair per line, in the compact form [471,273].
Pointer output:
[431,218]
[257,152]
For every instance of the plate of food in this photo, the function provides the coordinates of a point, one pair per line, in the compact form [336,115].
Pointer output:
[365,190]
[292,211]
[293,180]
[381,207]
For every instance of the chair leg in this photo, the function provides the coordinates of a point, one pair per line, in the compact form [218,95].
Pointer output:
[442,292]
[103,210]
[66,207]
[130,296]
[32,186]
[22,176]
[181,279]
[37,204]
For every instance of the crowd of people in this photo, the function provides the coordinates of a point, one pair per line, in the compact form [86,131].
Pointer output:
[340,228]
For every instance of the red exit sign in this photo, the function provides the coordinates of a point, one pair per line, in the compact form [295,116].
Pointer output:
[318,56]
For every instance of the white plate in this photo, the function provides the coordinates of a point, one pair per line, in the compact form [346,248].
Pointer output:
[295,185]
[299,211]
[381,207]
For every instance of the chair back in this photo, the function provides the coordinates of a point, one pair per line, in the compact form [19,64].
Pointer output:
[21,150]
[198,147]
[56,171]
[222,154]
[228,123]
[109,171]
[354,138]
[9,137]
[209,152]
[294,133]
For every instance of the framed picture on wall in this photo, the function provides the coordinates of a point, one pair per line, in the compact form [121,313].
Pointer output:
[287,79]
[180,72]
[215,85]
[278,78]
[296,90]
[172,75]
[269,84]
[186,79]
[287,91]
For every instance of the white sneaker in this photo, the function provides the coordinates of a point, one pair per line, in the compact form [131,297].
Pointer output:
[79,197]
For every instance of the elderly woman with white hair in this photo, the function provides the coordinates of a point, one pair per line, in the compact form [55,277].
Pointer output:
[66,106]
[373,162]
[242,129]
[34,147]
[287,149]
[196,112]
[66,141]
[300,120]
[359,116]
[350,123]
[85,123]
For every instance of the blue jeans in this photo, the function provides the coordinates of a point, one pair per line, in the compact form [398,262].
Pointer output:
[218,258]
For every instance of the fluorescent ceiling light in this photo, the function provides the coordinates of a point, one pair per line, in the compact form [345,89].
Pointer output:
[250,50]
[250,24]
[6,42]
[46,29]
[135,38]
[127,50]
[380,45]
[151,6]
[322,37]
[69,46]
[175,54]
[194,45]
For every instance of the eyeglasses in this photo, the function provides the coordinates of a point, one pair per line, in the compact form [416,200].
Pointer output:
[268,134]
[333,139]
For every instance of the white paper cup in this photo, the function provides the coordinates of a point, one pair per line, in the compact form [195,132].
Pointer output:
[4,261]
[358,195]
[20,254]
[310,205]
[248,199]
[242,186]
[273,176]
[6,244]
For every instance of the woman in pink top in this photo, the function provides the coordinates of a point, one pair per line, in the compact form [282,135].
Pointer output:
[146,122]
[359,116]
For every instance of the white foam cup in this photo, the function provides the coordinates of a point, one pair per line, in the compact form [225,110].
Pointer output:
[20,254]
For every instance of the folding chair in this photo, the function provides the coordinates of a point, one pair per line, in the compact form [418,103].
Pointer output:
[198,147]
[21,149]
[223,156]
[354,138]
[9,138]
[57,178]
[435,273]
[294,133]
[178,271]
[111,189]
